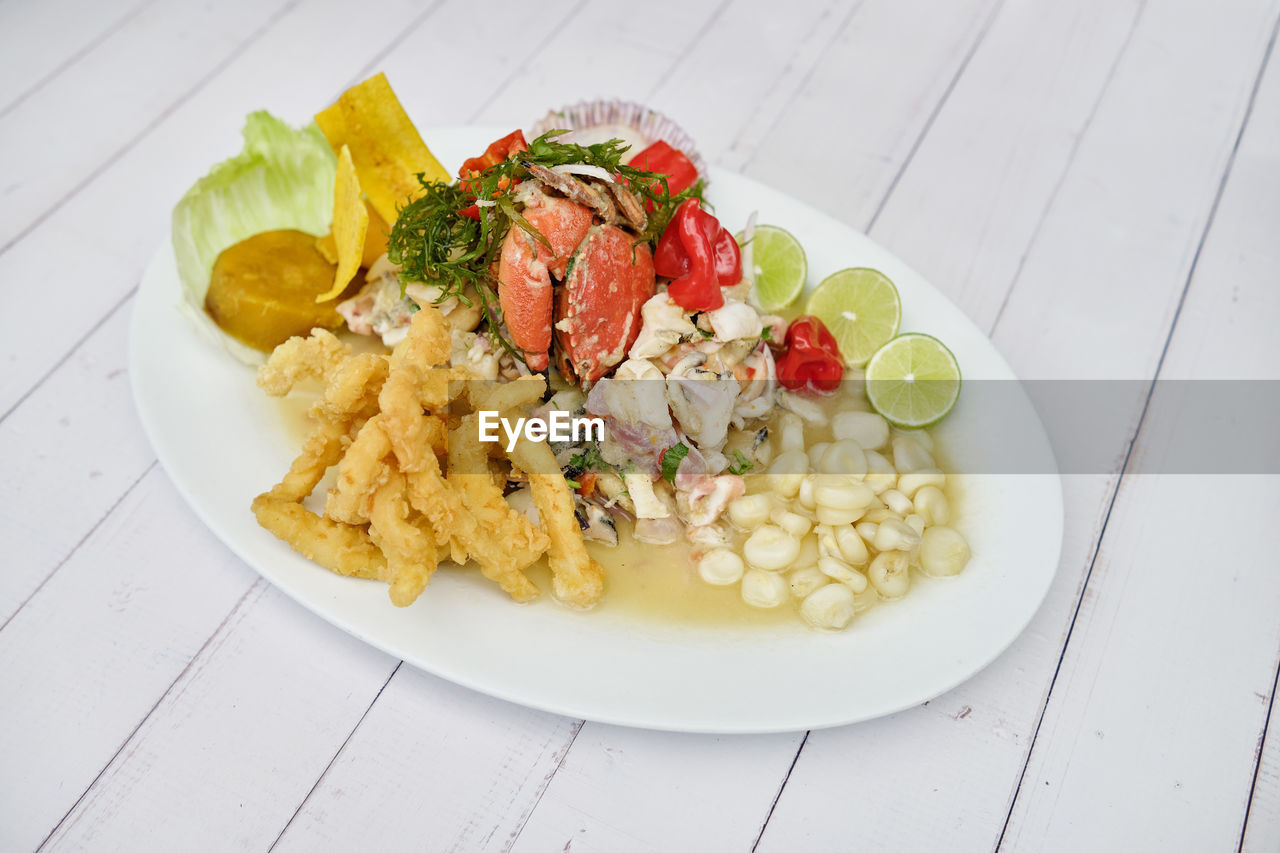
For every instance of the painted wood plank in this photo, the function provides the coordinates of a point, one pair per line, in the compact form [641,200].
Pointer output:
[43,38]
[861,110]
[240,737]
[103,240]
[973,741]
[1175,620]
[432,766]
[1262,826]
[624,789]
[84,118]
[101,642]
[68,454]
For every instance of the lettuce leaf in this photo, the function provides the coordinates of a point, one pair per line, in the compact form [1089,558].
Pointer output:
[282,179]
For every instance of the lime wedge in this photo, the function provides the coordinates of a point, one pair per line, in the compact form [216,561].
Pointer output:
[780,267]
[861,308]
[913,381]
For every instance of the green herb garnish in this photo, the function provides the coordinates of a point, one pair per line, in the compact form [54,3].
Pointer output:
[742,465]
[671,459]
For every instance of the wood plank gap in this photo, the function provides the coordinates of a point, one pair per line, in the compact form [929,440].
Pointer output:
[325,772]
[1102,533]
[75,57]
[781,788]
[933,114]
[498,90]
[152,125]
[546,783]
[1066,168]
[258,586]
[836,32]
[697,37]
[70,352]
[111,509]
[1257,758]
[417,21]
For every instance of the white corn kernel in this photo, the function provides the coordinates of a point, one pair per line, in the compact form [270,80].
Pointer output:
[771,548]
[916,523]
[877,514]
[749,511]
[909,484]
[896,501]
[805,495]
[786,472]
[870,430]
[815,453]
[844,457]
[910,455]
[932,505]
[880,472]
[796,525]
[890,574]
[764,589]
[943,551]
[830,607]
[790,432]
[850,544]
[841,572]
[806,580]
[721,567]
[809,553]
[865,600]
[833,493]
[833,517]
[867,530]
[893,534]
[922,436]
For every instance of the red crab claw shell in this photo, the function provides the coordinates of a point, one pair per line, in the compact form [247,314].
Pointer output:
[525,268]
[598,309]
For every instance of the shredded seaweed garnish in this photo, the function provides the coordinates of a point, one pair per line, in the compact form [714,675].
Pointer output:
[434,243]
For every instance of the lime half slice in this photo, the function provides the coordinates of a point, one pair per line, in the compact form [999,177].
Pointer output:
[861,308]
[913,381]
[780,267]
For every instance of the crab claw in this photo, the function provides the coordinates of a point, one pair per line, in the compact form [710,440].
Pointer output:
[598,309]
[525,267]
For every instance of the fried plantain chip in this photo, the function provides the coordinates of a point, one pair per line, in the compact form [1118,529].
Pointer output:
[350,223]
[386,148]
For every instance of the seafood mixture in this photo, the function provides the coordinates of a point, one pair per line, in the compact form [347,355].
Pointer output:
[597,270]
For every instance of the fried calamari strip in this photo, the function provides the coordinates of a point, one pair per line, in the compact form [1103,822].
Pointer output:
[577,579]
[298,359]
[361,472]
[339,547]
[409,547]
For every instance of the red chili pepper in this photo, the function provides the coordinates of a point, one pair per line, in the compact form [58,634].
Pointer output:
[700,256]
[812,359]
[498,150]
[663,159]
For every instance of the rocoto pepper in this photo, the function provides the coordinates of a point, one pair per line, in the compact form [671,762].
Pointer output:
[812,358]
[701,257]
[498,150]
[662,158]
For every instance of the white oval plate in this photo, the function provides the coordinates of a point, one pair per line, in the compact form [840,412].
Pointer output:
[222,442]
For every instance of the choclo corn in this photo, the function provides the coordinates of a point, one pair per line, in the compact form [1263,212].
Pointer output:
[943,551]
[932,505]
[850,544]
[890,574]
[842,572]
[786,472]
[893,534]
[910,455]
[721,567]
[880,472]
[749,511]
[869,429]
[764,589]
[795,524]
[844,457]
[829,607]
[909,484]
[806,580]
[771,548]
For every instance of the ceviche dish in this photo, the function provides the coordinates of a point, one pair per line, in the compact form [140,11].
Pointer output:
[559,369]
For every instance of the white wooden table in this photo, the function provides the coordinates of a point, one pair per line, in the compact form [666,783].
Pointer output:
[1096,183]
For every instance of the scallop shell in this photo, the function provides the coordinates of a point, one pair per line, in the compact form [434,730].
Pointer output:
[632,122]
